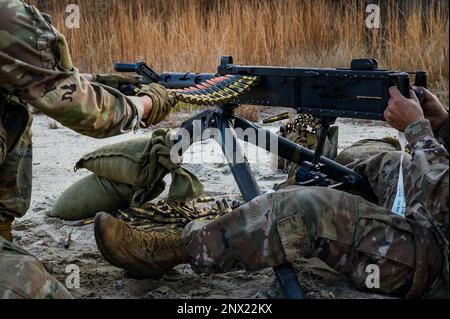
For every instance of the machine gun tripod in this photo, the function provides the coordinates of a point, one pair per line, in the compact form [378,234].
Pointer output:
[318,168]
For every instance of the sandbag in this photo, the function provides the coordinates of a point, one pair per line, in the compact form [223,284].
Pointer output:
[125,162]
[143,162]
[93,194]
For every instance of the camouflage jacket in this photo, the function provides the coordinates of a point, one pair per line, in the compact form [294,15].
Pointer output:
[429,182]
[429,173]
[36,67]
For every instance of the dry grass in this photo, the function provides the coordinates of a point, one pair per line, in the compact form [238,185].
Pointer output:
[191,35]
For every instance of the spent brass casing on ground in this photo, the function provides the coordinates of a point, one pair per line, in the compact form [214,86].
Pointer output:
[276,118]
[67,240]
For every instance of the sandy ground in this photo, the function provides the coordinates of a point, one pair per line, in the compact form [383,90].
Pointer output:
[56,151]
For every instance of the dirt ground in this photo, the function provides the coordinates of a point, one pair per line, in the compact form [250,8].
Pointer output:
[55,153]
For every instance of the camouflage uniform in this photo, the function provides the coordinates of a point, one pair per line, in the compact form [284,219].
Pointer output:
[19,283]
[36,68]
[344,230]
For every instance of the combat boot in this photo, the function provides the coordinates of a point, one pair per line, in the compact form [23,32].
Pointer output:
[5,229]
[143,253]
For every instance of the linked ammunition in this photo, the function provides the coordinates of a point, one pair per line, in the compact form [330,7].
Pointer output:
[226,206]
[219,206]
[215,91]
[302,125]
[186,214]
[168,220]
[205,199]
[204,214]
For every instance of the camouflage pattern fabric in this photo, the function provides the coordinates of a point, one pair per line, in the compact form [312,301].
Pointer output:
[344,230]
[15,178]
[35,65]
[29,278]
[442,133]
[365,149]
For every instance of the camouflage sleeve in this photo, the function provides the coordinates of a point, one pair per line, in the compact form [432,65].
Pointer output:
[429,169]
[35,65]
[442,134]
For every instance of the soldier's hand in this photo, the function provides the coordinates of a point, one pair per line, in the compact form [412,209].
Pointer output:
[116,80]
[433,109]
[162,102]
[401,111]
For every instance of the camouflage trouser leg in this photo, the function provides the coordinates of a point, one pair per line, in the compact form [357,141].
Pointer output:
[345,231]
[23,276]
[15,179]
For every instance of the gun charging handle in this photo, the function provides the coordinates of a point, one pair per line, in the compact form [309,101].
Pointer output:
[140,68]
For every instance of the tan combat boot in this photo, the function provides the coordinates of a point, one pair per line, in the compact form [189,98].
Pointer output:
[143,253]
[5,230]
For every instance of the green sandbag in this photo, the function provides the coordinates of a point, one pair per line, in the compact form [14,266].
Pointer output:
[364,149]
[90,195]
[143,162]
[93,194]
[124,162]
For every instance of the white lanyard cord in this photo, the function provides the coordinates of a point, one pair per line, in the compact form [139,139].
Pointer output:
[399,206]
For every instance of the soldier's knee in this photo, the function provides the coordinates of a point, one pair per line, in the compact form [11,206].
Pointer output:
[312,202]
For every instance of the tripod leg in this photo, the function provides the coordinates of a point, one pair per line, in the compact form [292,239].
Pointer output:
[237,161]
[286,276]
[298,154]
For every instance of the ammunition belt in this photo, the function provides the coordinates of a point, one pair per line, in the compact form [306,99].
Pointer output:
[166,214]
[219,90]
[302,125]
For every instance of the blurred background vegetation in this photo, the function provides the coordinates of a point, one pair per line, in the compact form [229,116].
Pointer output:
[179,35]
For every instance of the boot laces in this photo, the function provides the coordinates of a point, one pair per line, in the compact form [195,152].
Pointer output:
[151,241]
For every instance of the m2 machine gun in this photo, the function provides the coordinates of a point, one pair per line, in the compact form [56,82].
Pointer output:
[359,92]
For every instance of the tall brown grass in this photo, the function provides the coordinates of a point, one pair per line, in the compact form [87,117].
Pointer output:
[191,35]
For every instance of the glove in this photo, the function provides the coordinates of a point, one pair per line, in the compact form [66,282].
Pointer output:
[162,100]
[116,80]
